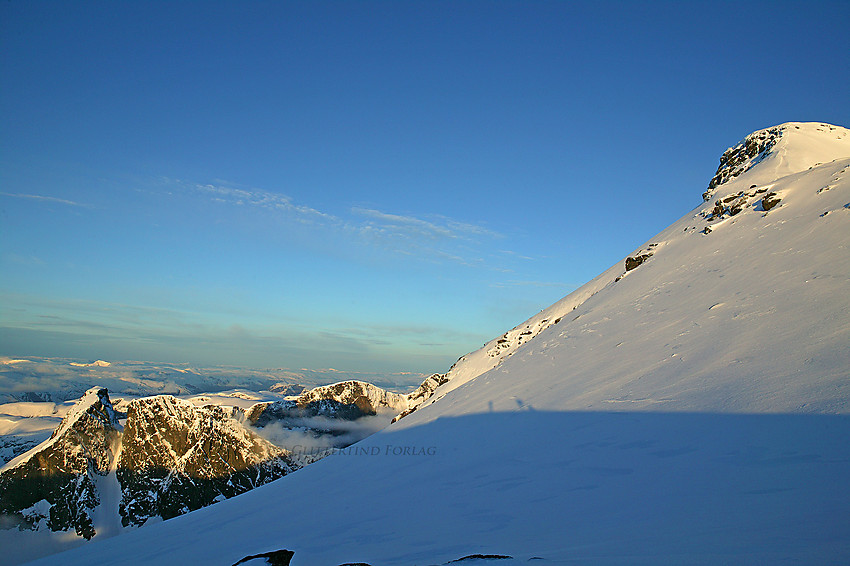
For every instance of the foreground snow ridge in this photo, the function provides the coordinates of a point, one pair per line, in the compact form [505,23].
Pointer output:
[690,405]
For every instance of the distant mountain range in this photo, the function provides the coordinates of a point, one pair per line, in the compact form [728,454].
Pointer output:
[162,456]
[36,379]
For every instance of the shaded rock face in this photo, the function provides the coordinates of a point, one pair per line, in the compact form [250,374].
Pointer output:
[769,200]
[54,487]
[288,412]
[743,156]
[177,458]
[633,262]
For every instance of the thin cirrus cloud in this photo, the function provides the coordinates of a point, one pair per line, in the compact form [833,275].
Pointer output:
[262,199]
[410,226]
[517,283]
[43,198]
[436,239]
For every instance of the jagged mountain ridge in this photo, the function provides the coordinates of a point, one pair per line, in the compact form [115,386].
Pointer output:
[170,457]
[63,379]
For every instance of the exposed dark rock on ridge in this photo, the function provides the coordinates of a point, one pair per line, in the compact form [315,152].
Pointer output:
[481,557]
[742,156]
[54,485]
[633,262]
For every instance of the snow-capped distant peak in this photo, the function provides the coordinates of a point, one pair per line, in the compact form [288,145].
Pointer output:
[11,361]
[96,363]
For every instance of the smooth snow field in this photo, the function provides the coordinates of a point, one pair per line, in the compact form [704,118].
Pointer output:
[569,487]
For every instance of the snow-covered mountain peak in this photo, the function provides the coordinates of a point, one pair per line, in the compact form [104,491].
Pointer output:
[367,397]
[54,485]
[92,411]
[761,198]
[780,150]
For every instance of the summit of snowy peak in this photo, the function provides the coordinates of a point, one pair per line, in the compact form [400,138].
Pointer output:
[63,470]
[781,150]
[344,400]
[366,396]
[93,409]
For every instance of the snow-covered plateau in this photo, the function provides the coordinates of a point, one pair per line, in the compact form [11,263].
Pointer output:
[690,405]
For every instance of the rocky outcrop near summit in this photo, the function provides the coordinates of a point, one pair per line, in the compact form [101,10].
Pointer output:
[53,486]
[742,156]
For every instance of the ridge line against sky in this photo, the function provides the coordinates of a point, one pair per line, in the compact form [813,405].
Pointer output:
[373,186]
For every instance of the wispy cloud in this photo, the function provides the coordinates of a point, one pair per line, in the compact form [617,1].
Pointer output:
[435,238]
[432,238]
[516,283]
[28,260]
[440,227]
[516,255]
[44,198]
[262,199]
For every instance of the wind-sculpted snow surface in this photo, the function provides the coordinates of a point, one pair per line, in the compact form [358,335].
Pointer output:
[626,488]
[688,409]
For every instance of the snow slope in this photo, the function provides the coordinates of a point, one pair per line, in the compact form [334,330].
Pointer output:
[24,425]
[690,410]
[738,319]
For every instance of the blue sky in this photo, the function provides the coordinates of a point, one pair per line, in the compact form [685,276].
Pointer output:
[371,186]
